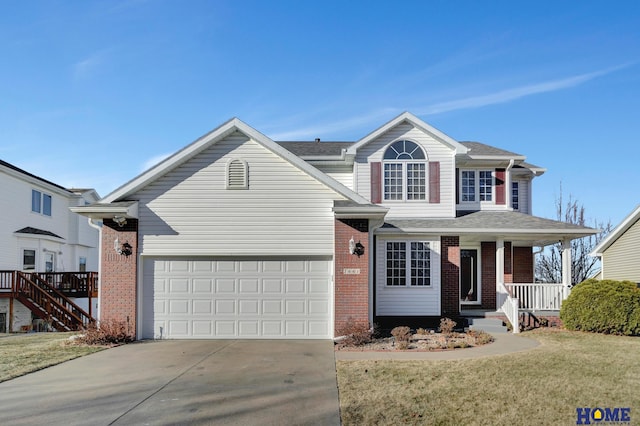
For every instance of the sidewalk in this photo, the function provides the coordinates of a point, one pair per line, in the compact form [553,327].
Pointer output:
[505,343]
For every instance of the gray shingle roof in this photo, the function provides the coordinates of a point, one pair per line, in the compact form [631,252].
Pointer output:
[478,148]
[306,149]
[490,222]
[36,231]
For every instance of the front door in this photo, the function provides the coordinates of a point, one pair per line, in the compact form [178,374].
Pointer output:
[469,283]
[49,262]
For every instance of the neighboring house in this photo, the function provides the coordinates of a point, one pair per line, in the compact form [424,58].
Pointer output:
[38,233]
[236,235]
[619,252]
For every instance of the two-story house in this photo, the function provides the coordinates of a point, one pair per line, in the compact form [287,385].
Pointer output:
[38,233]
[236,235]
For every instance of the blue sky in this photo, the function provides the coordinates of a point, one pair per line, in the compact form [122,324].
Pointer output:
[93,92]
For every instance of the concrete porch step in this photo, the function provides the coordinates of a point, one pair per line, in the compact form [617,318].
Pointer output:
[489,325]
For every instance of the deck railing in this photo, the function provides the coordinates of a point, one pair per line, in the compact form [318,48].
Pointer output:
[538,296]
[509,306]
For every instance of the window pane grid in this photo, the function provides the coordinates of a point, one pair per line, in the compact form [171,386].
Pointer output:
[485,185]
[396,263]
[420,264]
[393,181]
[414,272]
[468,184]
[514,195]
[416,181]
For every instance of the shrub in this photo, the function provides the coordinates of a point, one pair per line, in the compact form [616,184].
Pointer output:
[355,333]
[402,336]
[108,332]
[607,306]
[447,325]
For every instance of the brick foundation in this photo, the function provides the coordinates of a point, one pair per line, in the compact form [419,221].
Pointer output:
[351,288]
[450,273]
[118,288]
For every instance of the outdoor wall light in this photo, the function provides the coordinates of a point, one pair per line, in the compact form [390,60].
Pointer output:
[356,248]
[120,220]
[124,249]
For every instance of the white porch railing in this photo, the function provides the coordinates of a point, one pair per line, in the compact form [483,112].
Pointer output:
[538,296]
[508,305]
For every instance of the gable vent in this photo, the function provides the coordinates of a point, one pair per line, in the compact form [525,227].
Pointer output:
[237,175]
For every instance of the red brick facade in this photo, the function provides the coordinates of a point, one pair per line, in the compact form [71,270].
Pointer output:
[450,272]
[488,275]
[522,265]
[119,274]
[351,274]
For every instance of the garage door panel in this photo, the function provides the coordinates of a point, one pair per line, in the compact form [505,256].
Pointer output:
[248,298]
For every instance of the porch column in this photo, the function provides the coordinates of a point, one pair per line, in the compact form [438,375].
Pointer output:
[566,266]
[500,261]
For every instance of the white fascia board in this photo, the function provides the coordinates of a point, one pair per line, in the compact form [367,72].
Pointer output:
[210,139]
[357,212]
[107,211]
[38,182]
[412,119]
[171,162]
[618,231]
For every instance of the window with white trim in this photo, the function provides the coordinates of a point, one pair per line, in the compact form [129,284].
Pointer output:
[40,202]
[28,260]
[408,263]
[237,174]
[404,172]
[485,185]
[468,186]
[515,196]
[476,185]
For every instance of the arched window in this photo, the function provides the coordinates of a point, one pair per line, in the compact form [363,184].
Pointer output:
[237,174]
[405,167]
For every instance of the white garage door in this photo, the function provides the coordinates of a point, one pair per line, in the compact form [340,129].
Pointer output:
[244,298]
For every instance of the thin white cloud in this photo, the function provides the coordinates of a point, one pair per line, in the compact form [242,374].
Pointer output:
[90,64]
[509,95]
[322,130]
[153,161]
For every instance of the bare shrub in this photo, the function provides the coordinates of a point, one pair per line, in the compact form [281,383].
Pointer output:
[402,336]
[422,331]
[108,332]
[447,325]
[355,333]
[480,337]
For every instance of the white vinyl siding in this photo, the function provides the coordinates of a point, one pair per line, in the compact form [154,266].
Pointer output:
[190,212]
[403,299]
[435,151]
[621,261]
[237,298]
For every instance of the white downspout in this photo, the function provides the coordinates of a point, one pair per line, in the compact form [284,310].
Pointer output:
[508,189]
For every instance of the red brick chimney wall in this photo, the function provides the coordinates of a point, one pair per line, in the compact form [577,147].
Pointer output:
[118,279]
[351,274]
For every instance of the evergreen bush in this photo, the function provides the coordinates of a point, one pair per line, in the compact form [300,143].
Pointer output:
[607,306]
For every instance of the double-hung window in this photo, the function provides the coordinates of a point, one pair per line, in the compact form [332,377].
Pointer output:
[408,263]
[515,196]
[405,172]
[476,185]
[40,202]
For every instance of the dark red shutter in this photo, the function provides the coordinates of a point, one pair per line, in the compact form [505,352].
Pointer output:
[434,181]
[500,187]
[376,181]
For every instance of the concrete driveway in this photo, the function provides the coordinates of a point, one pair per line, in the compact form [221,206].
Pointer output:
[222,382]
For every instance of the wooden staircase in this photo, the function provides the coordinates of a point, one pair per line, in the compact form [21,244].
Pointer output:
[48,303]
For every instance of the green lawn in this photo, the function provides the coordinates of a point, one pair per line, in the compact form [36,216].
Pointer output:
[24,353]
[543,386]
